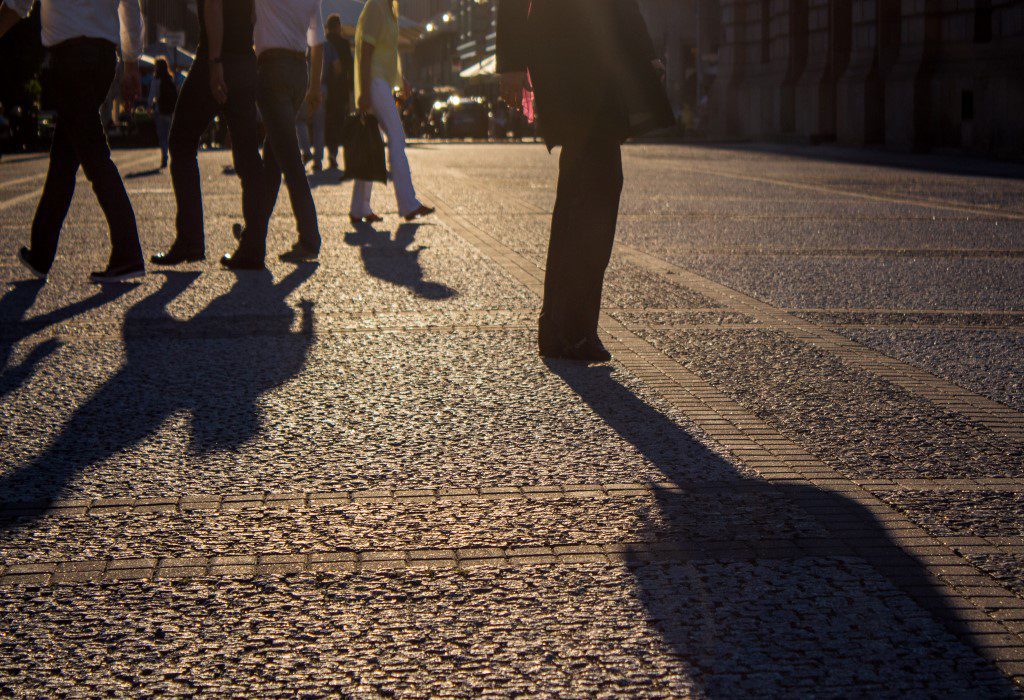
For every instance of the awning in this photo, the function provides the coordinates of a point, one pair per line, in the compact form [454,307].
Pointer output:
[485,69]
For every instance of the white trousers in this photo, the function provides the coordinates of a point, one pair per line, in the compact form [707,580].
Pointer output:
[391,124]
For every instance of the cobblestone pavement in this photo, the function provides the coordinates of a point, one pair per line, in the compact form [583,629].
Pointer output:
[802,475]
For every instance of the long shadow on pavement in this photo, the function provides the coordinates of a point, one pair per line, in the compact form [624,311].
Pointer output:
[752,619]
[164,373]
[15,304]
[394,261]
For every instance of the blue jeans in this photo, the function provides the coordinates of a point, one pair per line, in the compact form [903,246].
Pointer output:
[281,87]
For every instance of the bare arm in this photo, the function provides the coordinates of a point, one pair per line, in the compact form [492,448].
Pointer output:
[213,15]
[316,66]
[365,76]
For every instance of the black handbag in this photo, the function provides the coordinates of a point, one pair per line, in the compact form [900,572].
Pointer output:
[364,149]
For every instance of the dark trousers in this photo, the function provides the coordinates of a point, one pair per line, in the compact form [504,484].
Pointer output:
[582,234]
[337,110]
[195,110]
[81,71]
[282,87]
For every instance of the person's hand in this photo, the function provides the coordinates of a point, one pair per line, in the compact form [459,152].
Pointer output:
[513,85]
[365,103]
[218,87]
[131,82]
[314,97]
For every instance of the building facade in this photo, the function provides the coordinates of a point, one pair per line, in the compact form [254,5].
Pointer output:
[906,74]
[162,16]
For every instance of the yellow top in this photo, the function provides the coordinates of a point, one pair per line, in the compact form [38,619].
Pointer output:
[378,27]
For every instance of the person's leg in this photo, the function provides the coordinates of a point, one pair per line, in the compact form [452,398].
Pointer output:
[195,109]
[302,136]
[391,123]
[242,118]
[316,124]
[58,192]
[162,122]
[94,69]
[282,87]
[361,192]
[582,235]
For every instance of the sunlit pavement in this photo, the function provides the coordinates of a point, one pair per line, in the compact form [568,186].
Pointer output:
[803,474]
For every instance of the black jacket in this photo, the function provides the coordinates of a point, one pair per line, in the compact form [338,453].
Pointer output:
[590,63]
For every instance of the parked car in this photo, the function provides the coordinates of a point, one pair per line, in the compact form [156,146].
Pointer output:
[466,117]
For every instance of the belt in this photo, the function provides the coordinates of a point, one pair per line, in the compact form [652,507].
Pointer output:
[276,54]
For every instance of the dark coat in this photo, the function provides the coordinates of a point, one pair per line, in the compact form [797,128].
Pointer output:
[590,63]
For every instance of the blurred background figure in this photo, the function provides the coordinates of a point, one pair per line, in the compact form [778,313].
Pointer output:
[163,97]
[338,79]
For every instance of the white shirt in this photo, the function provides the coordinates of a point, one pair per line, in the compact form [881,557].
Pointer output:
[117,21]
[288,24]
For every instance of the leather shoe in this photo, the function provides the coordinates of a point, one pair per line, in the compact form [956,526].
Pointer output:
[176,256]
[589,350]
[234,261]
[299,254]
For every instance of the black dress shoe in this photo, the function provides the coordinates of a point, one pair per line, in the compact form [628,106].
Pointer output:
[118,273]
[176,256]
[589,350]
[25,258]
[299,253]
[237,230]
[234,261]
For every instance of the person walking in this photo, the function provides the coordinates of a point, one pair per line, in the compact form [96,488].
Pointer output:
[283,32]
[597,81]
[338,79]
[81,37]
[222,78]
[163,96]
[378,71]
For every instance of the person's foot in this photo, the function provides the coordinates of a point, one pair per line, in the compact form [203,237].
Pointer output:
[163,164]
[371,219]
[118,273]
[25,258]
[237,230]
[589,350]
[419,213]
[234,261]
[177,255]
[299,253]
[332,164]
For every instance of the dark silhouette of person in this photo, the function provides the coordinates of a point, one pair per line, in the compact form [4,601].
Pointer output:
[394,261]
[159,378]
[597,82]
[15,304]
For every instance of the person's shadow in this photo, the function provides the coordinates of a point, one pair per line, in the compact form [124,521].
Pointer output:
[787,624]
[14,306]
[214,366]
[394,261]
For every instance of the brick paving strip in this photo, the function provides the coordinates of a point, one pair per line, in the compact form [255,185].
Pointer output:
[99,507]
[993,614]
[35,194]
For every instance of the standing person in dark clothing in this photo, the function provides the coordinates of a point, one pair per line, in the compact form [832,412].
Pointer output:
[163,96]
[82,37]
[338,77]
[597,82]
[223,76]
[284,31]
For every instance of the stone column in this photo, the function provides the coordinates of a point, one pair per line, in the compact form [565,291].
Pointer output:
[828,52]
[787,28]
[908,83]
[729,94]
[860,94]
